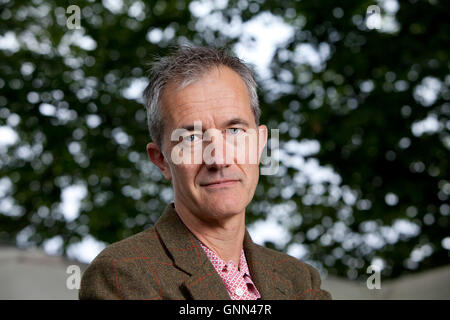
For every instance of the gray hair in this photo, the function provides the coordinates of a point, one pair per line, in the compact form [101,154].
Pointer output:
[184,66]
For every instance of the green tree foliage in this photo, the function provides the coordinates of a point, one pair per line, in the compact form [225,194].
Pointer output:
[375,101]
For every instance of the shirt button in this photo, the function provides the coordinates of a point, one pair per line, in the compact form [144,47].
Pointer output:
[239,292]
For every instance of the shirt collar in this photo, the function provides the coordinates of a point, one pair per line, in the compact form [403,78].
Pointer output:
[220,264]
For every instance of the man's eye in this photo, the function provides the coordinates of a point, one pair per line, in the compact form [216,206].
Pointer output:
[234,131]
[192,138]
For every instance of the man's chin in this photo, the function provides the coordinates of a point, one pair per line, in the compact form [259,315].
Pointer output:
[224,208]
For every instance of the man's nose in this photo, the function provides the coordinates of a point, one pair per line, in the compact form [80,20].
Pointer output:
[215,152]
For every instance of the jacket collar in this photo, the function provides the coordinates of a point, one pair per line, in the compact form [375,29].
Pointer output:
[204,283]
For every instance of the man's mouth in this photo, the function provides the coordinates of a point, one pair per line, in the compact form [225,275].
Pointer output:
[219,183]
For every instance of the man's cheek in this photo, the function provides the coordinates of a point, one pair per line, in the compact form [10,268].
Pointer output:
[188,173]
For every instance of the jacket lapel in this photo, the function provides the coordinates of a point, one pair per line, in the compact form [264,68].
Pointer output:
[203,282]
[267,279]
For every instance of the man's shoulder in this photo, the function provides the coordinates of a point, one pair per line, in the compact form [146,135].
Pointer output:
[143,244]
[285,263]
[119,271]
[302,277]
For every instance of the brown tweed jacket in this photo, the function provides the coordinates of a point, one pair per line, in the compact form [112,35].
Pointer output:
[166,262]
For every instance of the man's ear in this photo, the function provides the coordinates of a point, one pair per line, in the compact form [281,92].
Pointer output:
[262,140]
[157,157]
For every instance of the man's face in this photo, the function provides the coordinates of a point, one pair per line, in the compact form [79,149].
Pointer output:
[220,101]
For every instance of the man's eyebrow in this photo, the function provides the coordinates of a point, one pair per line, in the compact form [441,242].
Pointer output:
[188,127]
[234,121]
[237,121]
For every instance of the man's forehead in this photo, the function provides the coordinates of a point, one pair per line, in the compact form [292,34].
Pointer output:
[218,94]
[214,84]
[201,98]
[187,109]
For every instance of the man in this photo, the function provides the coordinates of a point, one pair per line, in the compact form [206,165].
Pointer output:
[201,101]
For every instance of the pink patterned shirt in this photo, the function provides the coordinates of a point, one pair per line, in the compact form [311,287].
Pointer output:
[237,280]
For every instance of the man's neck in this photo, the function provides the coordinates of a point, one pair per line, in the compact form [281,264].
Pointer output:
[224,237]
